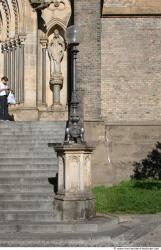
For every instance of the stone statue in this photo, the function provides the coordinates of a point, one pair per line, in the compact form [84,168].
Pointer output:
[56,52]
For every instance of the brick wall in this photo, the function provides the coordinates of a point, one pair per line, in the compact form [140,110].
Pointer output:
[87,14]
[131,69]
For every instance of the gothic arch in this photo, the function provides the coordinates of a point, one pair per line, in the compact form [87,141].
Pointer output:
[12,12]
[15,11]
[53,23]
[5,13]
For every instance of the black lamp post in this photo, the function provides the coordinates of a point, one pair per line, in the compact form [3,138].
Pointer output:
[74,131]
[74,200]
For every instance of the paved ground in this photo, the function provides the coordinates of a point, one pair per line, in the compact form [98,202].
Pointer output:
[123,230]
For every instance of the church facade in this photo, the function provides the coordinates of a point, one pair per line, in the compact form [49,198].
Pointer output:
[118,73]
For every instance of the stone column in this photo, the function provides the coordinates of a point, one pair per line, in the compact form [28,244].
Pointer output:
[5,59]
[13,65]
[44,47]
[9,63]
[74,200]
[56,82]
[4,51]
[22,41]
[17,69]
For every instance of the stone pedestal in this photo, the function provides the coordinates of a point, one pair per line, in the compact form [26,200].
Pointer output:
[56,83]
[74,200]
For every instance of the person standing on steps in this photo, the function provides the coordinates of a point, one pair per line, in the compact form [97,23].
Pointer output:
[3,99]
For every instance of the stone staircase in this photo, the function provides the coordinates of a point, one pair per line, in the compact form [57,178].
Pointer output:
[27,218]
[27,170]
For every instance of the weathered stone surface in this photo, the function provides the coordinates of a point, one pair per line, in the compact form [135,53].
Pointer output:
[74,200]
[117,148]
[131,7]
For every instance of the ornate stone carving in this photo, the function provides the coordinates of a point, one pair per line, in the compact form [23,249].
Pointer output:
[15,9]
[6,10]
[56,52]
[76,175]
[42,4]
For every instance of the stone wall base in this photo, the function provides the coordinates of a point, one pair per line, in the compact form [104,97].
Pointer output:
[75,208]
[34,114]
[118,146]
[24,114]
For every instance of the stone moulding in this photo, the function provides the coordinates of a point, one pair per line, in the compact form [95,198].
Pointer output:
[7,16]
[131,7]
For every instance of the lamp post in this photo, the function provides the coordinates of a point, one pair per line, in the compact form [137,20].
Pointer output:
[74,131]
[74,200]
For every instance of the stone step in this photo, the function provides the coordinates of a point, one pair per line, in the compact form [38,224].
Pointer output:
[23,160]
[31,135]
[45,227]
[18,188]
[26,216]
[28,165]
[26,205]
[37,133]
[26,180]
[29,147]
[27,173]
[31,124]
[27,196]
[31,143]
[32,155]
[23,166]
[20,149]
[26,140]
[96,225]
[42,129]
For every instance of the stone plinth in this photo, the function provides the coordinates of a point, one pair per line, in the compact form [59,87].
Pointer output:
[74,200]
[56,83]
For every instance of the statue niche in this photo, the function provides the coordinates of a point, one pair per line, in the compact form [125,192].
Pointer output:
[56,50]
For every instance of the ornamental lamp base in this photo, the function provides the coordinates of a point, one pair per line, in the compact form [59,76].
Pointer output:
[75,208]
[74,200]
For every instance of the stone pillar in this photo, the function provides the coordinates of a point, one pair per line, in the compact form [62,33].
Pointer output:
[17,69]
[5,59]
[56,83]
[22,40]
[44,47]
[9,63]
[4,52]
[74,200]
[13,65]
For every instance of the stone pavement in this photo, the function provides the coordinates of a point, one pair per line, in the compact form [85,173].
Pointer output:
[109,231]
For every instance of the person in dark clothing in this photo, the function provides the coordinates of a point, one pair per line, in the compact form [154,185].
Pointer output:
[3,99]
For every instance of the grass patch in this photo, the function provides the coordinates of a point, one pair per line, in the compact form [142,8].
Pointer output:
[138,197]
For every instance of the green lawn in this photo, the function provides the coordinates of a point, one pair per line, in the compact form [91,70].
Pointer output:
[141,197]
